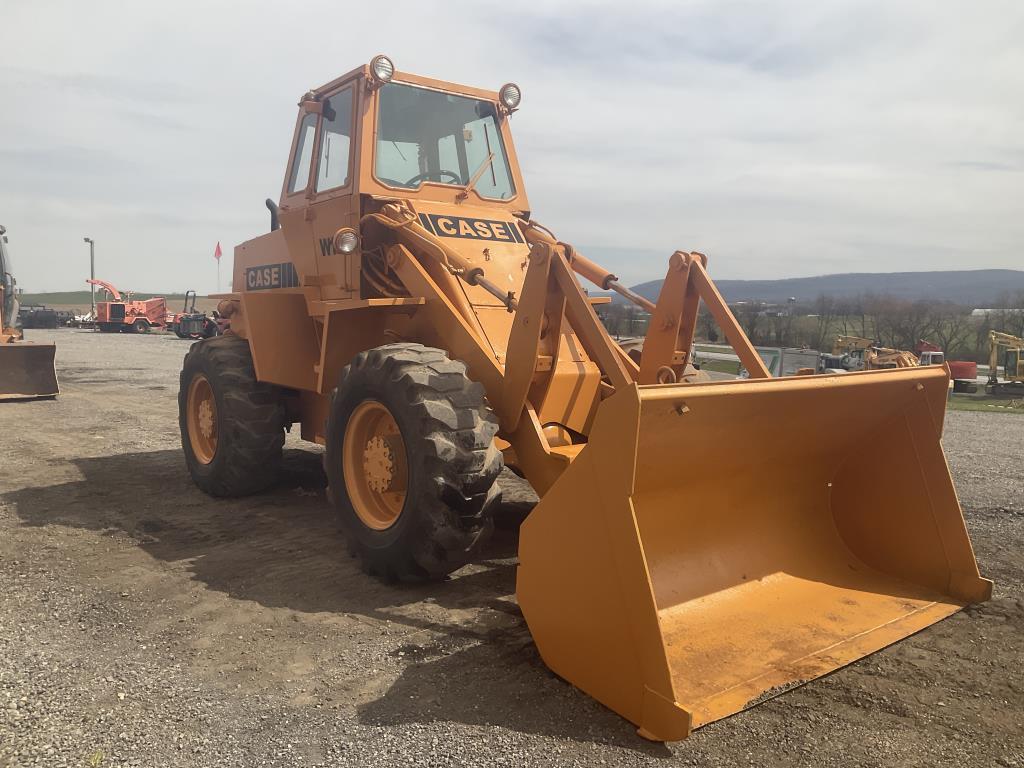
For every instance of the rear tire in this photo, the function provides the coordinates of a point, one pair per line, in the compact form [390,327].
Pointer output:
[449,461]
[233,444]
[140,326]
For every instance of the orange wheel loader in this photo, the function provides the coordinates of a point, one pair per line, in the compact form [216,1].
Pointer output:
[698,546]
[26,368]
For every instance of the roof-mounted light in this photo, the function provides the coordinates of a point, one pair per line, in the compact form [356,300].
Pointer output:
[510,96]
[382,69]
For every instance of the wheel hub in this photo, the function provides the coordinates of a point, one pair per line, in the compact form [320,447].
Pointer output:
[374,465]
[201,409]
[378,464]
[206,418]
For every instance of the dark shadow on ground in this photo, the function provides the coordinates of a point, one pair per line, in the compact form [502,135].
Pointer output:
[282,548]
[248,548]
[501,681]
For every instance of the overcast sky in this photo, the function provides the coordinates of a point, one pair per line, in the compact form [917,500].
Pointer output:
[781,138]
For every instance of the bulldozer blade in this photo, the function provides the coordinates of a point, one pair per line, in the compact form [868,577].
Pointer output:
[714,545]
[27,372]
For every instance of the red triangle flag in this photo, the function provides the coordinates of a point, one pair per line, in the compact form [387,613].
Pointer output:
[217,251]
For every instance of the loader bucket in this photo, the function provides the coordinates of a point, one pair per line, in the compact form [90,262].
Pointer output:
[716,544]
[26,371]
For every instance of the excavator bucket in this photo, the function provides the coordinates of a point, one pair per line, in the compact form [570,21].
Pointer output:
[26,371]
[716,544]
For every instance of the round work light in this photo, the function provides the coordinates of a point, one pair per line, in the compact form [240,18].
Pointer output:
[382,68]
[510,96]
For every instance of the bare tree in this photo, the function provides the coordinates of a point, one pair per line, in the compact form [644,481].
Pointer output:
[706,326]
[953,329]
[748,314]
[825,309]
[780,325]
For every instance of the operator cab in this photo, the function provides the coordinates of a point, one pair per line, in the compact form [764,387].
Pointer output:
[376,135]
[376,131]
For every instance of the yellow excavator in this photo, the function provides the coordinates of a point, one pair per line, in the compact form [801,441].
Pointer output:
[1013,364]
[860,354]
[26,369]
[698,546]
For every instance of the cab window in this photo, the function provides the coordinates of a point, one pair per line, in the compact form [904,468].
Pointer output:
[299,177]
[335,142]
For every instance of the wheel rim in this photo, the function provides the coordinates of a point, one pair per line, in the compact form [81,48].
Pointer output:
[374,465]
[202,419]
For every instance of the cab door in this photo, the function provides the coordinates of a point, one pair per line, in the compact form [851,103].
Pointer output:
[332,192]
[295,214]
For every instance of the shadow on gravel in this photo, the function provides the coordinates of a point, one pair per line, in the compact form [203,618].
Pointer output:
[282,549]
[499,681]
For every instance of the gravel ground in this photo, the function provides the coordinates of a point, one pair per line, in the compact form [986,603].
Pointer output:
[145,624]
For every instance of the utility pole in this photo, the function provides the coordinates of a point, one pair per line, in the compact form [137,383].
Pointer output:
[92,271]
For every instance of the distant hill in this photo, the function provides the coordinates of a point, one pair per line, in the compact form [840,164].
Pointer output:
[975,287]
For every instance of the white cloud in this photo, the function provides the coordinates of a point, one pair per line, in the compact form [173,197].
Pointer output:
[790,138]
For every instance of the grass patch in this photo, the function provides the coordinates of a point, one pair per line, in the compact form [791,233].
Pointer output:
[986,404]
[721,366]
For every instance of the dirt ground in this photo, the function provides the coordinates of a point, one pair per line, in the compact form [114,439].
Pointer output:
[143,623]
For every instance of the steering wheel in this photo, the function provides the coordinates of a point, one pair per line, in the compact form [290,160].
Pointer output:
[431,176]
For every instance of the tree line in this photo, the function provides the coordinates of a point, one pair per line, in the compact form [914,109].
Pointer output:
[891,321]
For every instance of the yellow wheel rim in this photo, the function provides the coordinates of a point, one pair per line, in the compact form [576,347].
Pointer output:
[374,465]
[201,410]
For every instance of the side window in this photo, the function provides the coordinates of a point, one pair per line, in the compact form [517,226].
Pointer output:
[303,154]
[332,169]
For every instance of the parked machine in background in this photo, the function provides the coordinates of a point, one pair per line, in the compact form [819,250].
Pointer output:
[119,313]
[963,372]
[38,316]
[928,353]
[1013,364]
[191,323]
[697,547]
[26,368]
[859,354]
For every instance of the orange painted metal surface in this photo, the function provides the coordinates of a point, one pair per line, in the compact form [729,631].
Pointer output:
[699,582]
[698,546]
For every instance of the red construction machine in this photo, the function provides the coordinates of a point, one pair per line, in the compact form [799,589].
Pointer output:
[119,313]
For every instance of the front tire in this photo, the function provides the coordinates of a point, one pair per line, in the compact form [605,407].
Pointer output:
[232,426]
[411,462]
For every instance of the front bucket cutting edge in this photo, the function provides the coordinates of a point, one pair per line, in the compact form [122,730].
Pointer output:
[26,371]
[714,544]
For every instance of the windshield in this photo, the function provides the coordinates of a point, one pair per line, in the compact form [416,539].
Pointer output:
[426,135]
